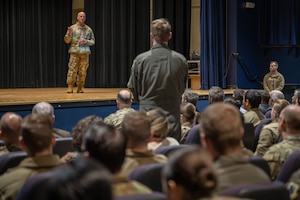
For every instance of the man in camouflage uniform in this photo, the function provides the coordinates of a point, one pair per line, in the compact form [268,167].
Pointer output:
[80,37]
[124,101]
[289,126]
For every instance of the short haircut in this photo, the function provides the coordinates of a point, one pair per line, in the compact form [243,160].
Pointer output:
[276,94]
[44,108]
[297,93]
[279,105]
[253,97]
[239,94]
[10,125]
[161,30]
[159,123]
[105,144]
[136,127]
[291,115]
[222,124]
[190,96]
[124,97]
[265,96]
[191,168]
[233,101]
[216,94]
[36,130]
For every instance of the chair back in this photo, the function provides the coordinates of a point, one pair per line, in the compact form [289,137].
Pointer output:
[63,146]
[11,159]
[290,165]
[149,175]
[152,196]
[168,150]
[248,137]
[193,136]
[272,190]
[257,131]
[261,163]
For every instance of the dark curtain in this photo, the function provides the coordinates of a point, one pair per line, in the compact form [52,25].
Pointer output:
[279,22]
[178,12]
[32,49]
[121,29]
[213,43]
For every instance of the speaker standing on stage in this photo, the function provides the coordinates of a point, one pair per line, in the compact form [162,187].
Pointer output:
[158,77]
[273,80]
[80,37]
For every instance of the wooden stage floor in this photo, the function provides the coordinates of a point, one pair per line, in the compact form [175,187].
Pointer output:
[24,96]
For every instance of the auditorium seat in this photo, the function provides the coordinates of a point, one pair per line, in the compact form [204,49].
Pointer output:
[152,196]
[11,160]
[290,165]
[63,145]
[168,150]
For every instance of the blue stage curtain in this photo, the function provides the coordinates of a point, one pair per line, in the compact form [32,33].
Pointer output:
[279,22]
[213,51]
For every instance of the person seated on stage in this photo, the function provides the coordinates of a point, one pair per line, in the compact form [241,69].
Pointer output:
[215,94]
[136,127]
[264,105]
[189,175]
[273,80]
[269,134]
[47,109]
[38,141]
[77,134]
[10,130]
[107,145]
[124,101]
[159,130]
[221,133]
[188,118]
[251,102]
[289,126]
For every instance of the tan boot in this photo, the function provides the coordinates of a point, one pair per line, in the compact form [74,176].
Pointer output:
[70,88]
[80,89]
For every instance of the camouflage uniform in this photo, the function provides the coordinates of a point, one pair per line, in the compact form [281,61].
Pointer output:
[277,154]
[185,128]
[115,119]
[9,148]
[273,81]
[268,136]
[253,116]
[79,54]
[293,185]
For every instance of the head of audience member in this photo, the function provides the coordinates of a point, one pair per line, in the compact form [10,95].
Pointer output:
[221,129]
[159,124]
[265,97]
[136,127]
[289,123]
[189,175]
[275,95]
[160,31]
[105,144]
[124,99]
[46,109]
[238,94]
[189,114]
[80,129]
[81,179]
[189,96]
[216,94]
[295,97]
[278,106]
[273,66]
[233,101]
[36,135]
[252,99]
[10,128]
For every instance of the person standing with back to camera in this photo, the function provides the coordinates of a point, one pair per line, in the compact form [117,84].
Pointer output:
[80,37]
[158,76]
[273,80]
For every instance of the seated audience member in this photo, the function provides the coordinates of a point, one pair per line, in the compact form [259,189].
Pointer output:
[251,102]
[293,185]
[221,133]
[189,96]
[124,101]
[188,118]
[295,97]
[269,134]
[136,127]
[274,96]
[107,145]
[239,95]
[37,140]
[215,94]
[264,105]
[81,179]
[77,134]
[289,126]
[189,175]
[159,130]
[48,110]
[10,130]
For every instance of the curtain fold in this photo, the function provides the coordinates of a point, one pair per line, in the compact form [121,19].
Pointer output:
[178,12]
[213,43]
[121,29]
[33,53]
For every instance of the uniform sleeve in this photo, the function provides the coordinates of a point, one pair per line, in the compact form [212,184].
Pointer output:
[264,142]
[274,162]
[281,82]
[132,83]
[67,38]
[91,40]
[266,84]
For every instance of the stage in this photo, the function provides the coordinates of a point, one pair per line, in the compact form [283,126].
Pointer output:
[69,108]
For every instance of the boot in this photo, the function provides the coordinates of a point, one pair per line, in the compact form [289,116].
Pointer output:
[70,88]
[80,89]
